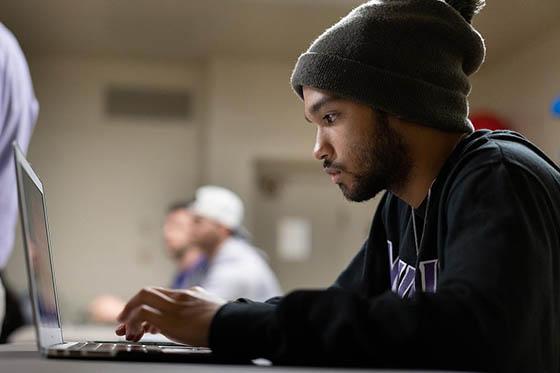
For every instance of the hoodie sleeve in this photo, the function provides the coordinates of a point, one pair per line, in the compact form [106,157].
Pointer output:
[492,293]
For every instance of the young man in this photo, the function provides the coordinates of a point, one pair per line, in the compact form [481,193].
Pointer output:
[229,268]
[190,260]
[235,269]
[460,270]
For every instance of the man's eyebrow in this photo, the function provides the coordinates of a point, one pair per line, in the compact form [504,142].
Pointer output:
[319,104]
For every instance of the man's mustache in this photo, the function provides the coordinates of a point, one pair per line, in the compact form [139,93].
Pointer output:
[327,164]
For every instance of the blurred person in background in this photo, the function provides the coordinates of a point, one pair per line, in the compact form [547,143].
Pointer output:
[190,261]
[209,246]
[461,269]
[18,114]
[235,268]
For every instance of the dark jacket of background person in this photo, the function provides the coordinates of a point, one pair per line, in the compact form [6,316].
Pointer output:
[486,295]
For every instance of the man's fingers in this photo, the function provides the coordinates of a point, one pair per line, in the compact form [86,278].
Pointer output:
[121,329]
[178,295]
[147,319]
[193,293]
[149,328]
[201,293]
[150,297]
[135,324]
[181,315]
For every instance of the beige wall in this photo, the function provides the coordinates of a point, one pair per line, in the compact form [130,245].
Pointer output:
[521,87]
[252,114]
[108,181]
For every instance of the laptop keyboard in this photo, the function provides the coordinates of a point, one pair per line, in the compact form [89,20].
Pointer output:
[113,347]
[105,347]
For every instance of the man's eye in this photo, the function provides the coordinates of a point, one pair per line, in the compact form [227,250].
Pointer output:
[329,118]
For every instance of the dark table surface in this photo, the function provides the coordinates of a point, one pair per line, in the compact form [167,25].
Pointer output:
[24,357]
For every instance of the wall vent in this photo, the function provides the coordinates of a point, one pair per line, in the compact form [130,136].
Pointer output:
[148,102]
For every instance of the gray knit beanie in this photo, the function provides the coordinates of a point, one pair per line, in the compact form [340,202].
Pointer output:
[410,58]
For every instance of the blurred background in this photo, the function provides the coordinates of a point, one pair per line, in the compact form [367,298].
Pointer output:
[142,101]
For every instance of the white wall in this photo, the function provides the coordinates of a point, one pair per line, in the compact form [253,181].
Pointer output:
[108,181]
[520,88]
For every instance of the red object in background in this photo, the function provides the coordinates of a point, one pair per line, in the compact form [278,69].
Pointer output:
[487,121]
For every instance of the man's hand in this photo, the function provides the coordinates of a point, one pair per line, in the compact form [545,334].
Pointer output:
[181,315]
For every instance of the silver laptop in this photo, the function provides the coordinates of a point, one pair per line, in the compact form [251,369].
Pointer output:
[42,290]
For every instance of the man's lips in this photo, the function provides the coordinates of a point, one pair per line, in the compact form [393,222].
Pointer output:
[334,174]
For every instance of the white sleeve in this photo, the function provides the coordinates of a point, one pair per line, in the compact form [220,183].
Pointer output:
[228,281]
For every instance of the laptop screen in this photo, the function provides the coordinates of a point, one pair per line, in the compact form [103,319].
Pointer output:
[38,258]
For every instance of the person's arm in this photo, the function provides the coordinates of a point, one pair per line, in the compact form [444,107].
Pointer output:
[494,304]
[144,311]
[492,283]
[8,133]
[18,112]
[227,280]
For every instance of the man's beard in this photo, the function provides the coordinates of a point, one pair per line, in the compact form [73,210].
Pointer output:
[385,162]
[208,241]
[178,254]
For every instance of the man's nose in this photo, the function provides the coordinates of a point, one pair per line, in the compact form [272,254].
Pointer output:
[321,149]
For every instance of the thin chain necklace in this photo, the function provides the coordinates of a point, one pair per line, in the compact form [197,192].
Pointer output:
[424,226]
[428,205]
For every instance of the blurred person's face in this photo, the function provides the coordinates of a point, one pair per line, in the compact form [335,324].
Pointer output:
[177,232]
[206,233]
[360,150]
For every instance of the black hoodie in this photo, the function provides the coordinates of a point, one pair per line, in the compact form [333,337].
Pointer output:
[482,294]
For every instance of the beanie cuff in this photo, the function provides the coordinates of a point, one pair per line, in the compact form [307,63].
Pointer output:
[412,99]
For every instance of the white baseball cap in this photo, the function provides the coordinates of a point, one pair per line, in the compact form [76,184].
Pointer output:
[219,204]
